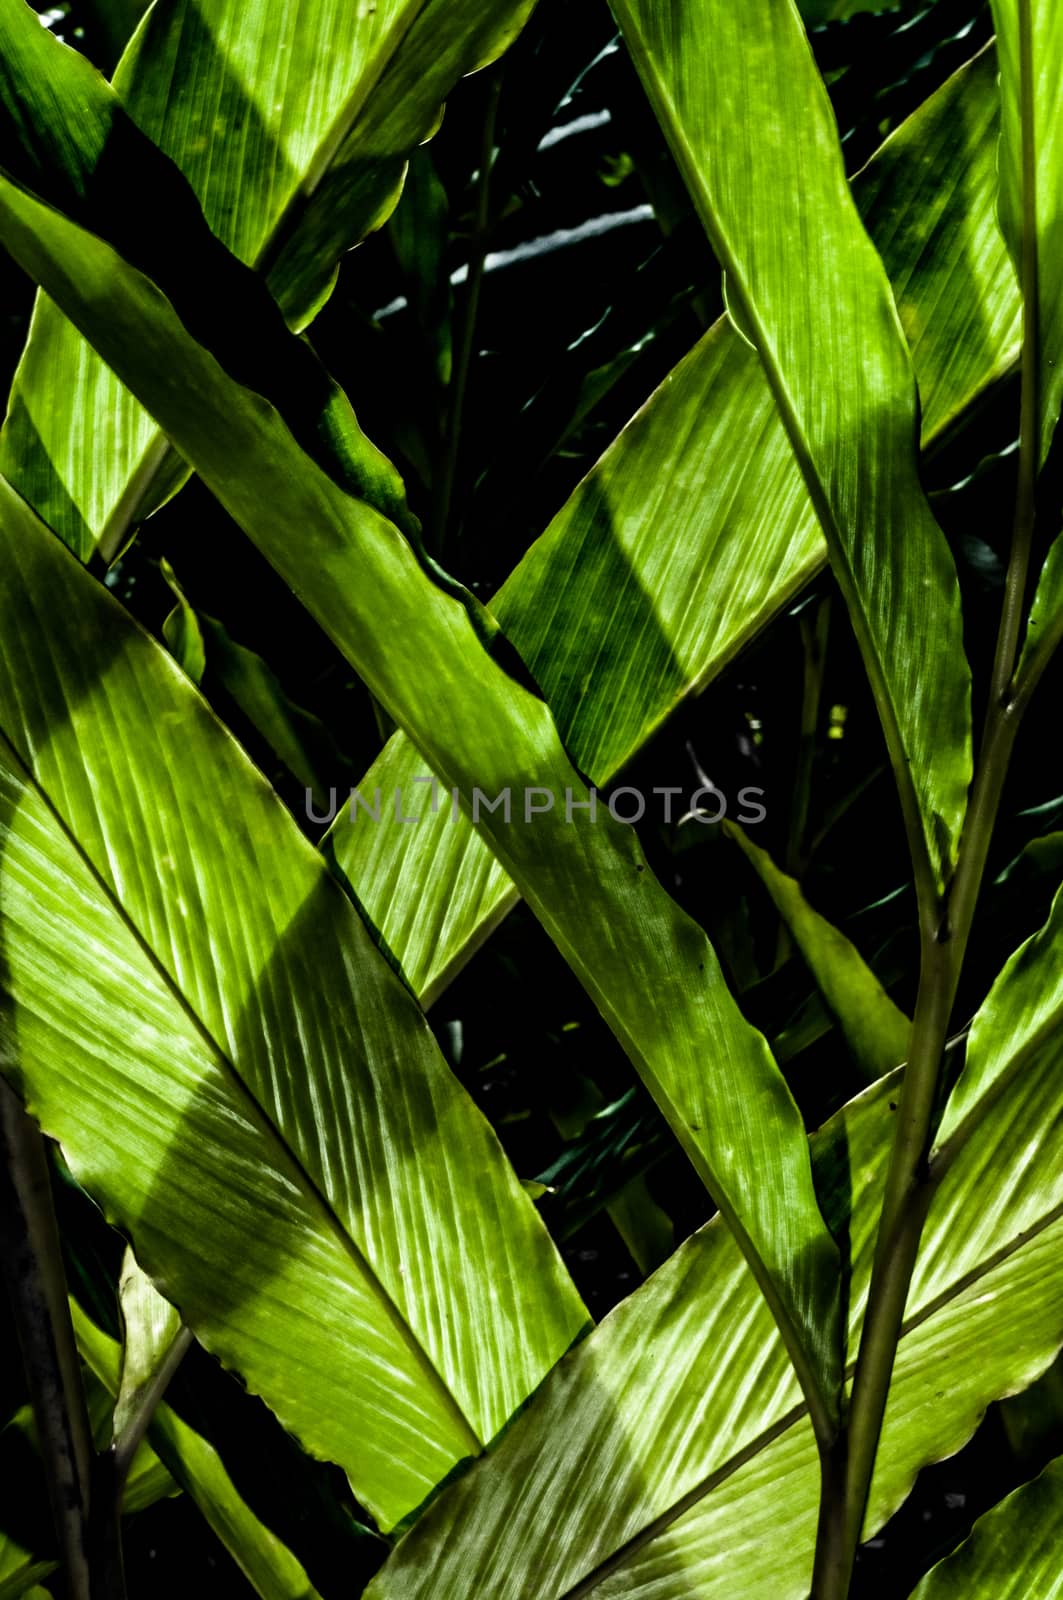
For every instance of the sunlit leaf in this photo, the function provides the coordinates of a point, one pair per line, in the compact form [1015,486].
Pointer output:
[745,110]
[232,1068]
[677,549]
[629,1477]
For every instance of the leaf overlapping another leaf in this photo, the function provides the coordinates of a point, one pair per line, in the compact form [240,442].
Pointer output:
[737,92]
[197,1013]
[677,549]
[249,408]
[630,1478]
[293,126]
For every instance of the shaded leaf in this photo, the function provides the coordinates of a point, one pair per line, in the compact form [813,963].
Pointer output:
[1013,1551]
[269,1567]
[182,631]
[876,1030]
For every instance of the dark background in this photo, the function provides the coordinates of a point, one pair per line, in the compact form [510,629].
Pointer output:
[583,277]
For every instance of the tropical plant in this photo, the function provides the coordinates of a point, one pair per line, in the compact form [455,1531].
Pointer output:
[234,1143]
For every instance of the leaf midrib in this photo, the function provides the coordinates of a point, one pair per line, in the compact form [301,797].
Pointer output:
[259,1114]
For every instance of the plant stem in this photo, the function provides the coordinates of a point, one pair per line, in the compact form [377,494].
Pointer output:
[831,1573]
[37,1288]
[945,930]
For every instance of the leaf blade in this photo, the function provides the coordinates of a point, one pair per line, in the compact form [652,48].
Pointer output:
[278,1033]
[294,130]
[1010,1552]
[814,295]
[876,1029]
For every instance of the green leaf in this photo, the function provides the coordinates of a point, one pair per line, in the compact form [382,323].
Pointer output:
[298,739]
[419,236]
[1045,625]
[19,1568]
[637,595]
[293,126]
[182,631]
[743,106]
[1031,175]
[269,1567]
[22,1473]
[876,1030]
[285,453]
[1021,1016]
[695,1473]
[214,1042]
[152,1329]
[250,683]
[1013,1551]
[1030,34]
[817,12]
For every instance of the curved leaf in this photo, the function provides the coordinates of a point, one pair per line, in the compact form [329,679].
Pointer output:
[1013,1551]
[252,411]
[152,1343]
[876,1030]
[195,1011]
[293,126]
[1022,1014]
[746,113]
[677,549]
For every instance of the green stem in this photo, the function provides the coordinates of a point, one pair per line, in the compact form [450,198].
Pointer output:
[33,1267]
[830,1575]
[945,930]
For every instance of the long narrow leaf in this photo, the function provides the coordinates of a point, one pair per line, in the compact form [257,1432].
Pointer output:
[1031,207]
[1013,1551]
[1030,48]
[876,1030]
[740,99]
[1021,1015]
[270,1568]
